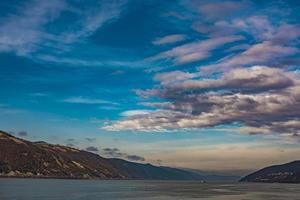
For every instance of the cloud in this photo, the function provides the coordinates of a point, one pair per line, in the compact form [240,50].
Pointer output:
[92,149]
[116,153]
[129,113]
[261,28]
[21,33]
[30,28]
[22,133]
[221,9]
[254,79]
[169,39]
[83,100]
[112,152]
[109,107]
[135,158]
[258,54]
[90,21]
[194,51]
[174,76]
[274,44]
[261,98]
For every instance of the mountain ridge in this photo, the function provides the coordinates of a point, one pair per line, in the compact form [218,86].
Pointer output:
[25,159]
[283,173]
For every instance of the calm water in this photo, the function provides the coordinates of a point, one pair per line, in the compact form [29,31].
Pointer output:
[36,189]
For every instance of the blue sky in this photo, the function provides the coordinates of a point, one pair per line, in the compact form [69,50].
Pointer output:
[174,82]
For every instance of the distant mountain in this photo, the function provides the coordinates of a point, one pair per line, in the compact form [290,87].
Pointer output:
[148,171]
[216,176]
[286,173]
[21,158]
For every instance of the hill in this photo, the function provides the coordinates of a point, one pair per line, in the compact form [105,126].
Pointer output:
[285,173]
[21,158]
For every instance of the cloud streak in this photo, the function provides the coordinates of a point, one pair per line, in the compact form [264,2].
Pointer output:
[23,32]
[84,100]
[169,39]
[29,31]
[194,51]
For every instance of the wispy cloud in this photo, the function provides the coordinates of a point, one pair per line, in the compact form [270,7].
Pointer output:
[169,39]
[220,9]
[194,51]
[8,110]
[258,54]
[27,32]
[129,113]
[84,100]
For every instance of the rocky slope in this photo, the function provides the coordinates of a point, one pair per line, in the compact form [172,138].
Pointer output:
[21,158]
[286,173]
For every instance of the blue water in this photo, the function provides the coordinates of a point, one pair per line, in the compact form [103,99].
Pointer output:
[40,189]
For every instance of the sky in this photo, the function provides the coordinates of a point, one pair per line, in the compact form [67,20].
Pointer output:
[209,85]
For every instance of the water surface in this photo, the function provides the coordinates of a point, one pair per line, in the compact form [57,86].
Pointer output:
[51,189]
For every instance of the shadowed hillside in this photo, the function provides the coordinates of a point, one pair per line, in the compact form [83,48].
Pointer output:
[21,158]
[285,173]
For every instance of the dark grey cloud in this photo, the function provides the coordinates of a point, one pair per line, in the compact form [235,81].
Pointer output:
[92,149]
[135,158]
[116,153]
[113,152]
[111,149]
[23,133]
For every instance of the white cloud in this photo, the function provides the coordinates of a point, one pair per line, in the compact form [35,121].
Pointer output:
[131,113]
